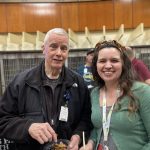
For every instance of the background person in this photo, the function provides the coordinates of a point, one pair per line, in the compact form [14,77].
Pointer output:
[120,104]
[139,66]
[45,102]
[85,70]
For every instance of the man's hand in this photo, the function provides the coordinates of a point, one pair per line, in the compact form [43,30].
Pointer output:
[74,142]
[42,132]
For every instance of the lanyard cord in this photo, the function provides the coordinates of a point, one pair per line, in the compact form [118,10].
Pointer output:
[106,119]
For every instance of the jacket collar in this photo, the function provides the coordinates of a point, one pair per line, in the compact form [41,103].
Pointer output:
[36,76]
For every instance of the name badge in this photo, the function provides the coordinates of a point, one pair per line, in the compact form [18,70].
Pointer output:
[106,147]
[63,114]
[100,147]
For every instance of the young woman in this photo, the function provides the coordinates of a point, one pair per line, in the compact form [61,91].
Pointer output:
[120,104]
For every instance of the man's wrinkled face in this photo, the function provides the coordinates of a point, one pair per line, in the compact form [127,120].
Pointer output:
[56,51]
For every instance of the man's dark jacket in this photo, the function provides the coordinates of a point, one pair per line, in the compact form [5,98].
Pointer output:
[29,99]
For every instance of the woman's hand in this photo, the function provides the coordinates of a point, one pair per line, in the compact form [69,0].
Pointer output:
[88,146]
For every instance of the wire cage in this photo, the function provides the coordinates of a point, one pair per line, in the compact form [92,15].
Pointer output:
[15,66]
[15,62]
[12,63]
[143,53]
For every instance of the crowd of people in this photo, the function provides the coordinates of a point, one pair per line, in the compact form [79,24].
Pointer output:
[51,102]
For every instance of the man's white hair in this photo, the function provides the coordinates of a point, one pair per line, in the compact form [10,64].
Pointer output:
[58,31]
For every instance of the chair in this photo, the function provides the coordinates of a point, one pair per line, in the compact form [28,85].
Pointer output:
[88,36]
[120,33]
[39,39]
[146,40]
[3,42]
[13,42]
[104,33]
[28,41]
[73,39]
[135,37]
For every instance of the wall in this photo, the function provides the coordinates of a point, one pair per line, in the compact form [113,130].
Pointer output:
[30,17]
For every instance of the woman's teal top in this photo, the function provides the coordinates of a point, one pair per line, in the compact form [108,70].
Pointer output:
[129,131]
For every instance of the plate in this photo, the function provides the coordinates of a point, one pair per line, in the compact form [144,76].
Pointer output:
[61,144]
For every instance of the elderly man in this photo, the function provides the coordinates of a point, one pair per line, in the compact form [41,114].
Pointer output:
[45,103]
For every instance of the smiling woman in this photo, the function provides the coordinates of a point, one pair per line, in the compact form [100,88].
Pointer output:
[109,65]
[119,111]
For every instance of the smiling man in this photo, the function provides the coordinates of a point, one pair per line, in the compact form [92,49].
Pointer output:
[45,103]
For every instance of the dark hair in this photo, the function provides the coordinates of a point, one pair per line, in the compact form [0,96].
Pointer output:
[90,51]
[127,76]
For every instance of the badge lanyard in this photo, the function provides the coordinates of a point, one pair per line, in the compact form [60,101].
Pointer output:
[106,119]
[64,109]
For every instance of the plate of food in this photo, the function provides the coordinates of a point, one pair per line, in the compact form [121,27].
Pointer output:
[61,144]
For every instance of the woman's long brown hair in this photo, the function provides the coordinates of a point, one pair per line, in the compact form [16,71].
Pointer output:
[127,76]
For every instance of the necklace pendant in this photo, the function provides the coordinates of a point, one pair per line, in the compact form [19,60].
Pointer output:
[106,147]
